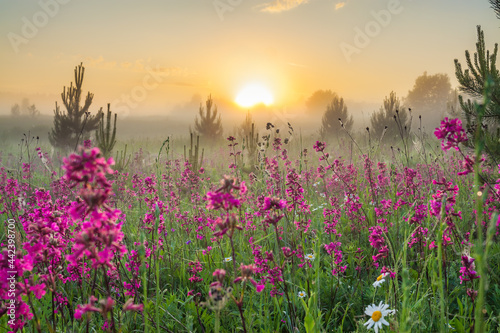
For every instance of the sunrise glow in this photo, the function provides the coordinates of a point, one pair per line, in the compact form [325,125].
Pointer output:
[254,94]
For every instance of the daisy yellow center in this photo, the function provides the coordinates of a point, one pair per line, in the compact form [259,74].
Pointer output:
[380,277]
[376,315]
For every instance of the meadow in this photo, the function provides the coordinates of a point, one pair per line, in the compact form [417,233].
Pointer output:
[296,238]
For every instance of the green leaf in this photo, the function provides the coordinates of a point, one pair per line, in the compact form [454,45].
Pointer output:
[309,323]
[460,306]
[457,325]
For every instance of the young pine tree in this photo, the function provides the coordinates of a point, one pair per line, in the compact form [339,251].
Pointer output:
[75,124]
[105,137]
[334,117]
[246,126]
[208,123]
[495,5]
[383,121]
[473,82]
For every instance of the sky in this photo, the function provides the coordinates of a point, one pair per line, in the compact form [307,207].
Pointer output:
[165,56]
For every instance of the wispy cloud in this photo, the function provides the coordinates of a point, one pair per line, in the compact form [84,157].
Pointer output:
[278,6]
[99,62]
[339,5]
[294,64]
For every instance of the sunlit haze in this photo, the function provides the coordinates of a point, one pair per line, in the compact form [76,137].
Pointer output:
[165,57]
[254,94]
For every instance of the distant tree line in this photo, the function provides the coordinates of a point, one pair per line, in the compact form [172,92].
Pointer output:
[24,109]
[430,100]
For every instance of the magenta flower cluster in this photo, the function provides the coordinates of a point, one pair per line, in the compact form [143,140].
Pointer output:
[450,133]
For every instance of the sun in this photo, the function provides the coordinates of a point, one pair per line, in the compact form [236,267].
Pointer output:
[254,94]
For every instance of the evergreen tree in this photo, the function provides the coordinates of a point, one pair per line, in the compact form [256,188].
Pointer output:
[334,118]
[473,82]
[105,137]
[15,110]
[76,123]
[208,123]
[246,126]
[495,4]
[453,109]
[386,121]
[33,111]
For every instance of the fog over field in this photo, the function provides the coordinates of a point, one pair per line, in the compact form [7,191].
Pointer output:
[212,166]
[165,58]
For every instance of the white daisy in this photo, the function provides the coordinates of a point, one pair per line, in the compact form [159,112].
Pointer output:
[228,259]
[302,294]
[380,280]
[377,314]
[310,256]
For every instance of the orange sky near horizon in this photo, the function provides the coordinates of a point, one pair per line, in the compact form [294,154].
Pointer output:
[154,56]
